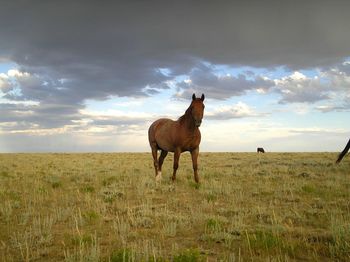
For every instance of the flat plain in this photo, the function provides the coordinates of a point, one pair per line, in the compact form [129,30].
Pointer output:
[108,207]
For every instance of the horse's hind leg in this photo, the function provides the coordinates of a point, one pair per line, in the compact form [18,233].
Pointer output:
[154,155]
[163,154]
[176,163]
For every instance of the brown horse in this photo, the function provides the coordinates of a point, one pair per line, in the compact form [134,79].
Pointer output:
[177,136]
[343,153]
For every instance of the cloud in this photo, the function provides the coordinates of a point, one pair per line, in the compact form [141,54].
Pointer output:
[38,116]
[75,51]
[118,48]
[39,120]
[318,131]
[238,110]
[203,79]
[299,88]
[116,118]
[5,83]
[330,84]
[339,105]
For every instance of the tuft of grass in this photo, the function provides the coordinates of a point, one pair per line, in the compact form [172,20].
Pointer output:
[188,255]
[55,182]
[340,245]
[213,225]
[123,255]
[87,249]
[91,216]
[88,189]
[194,185]
[265,240]
[5,174]
[110,180]
[309,189]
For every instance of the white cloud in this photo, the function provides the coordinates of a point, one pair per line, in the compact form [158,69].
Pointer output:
[5,84]
[299,88]
[16,73]
[238,110]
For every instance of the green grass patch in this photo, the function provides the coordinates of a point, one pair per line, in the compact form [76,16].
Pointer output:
[188,255]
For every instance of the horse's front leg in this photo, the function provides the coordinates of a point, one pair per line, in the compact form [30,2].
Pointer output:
[177,153]
[194,154]
[163,154]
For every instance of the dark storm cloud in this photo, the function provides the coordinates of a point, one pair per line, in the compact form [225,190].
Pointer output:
[129,39]
[78,50]
[203,79]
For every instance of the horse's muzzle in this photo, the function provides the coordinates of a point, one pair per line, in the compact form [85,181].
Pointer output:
[198,123]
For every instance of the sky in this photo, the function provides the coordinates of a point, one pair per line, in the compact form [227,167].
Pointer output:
[91,76]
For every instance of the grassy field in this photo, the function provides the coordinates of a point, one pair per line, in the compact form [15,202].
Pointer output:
[108,207]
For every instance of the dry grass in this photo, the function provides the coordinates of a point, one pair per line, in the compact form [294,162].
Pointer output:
[108,207]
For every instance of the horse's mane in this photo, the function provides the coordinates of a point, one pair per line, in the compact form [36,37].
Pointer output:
[186,115]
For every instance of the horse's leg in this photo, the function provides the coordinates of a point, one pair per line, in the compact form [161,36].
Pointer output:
[163,154]
[177,153]
[194,154]
[343,153]
[154,155]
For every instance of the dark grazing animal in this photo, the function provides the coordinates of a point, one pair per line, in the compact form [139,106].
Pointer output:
[343,153]
[177,136]
[260,150]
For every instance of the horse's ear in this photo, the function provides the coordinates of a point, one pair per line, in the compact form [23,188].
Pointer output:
[194,97]
[202,97]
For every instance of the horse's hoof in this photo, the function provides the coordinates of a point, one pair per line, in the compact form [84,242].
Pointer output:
[159,176]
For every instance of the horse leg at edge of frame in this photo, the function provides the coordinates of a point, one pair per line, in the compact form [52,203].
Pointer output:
[177,153]
[344,152]
[155,162]
[194,155]
[163,154]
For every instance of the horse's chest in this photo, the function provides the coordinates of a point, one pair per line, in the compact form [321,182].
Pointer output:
[189,141]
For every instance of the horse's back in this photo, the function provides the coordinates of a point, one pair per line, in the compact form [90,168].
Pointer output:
[159,126]
[160,133]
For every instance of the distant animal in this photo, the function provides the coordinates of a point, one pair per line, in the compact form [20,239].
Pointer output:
[260,150]
[177,137]
[343,153]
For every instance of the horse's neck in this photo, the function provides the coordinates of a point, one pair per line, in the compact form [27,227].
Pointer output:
[187,121]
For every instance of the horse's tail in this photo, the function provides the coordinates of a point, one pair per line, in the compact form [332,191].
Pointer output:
[343,153]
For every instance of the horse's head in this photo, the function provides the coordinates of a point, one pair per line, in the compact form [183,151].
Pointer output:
[197,109]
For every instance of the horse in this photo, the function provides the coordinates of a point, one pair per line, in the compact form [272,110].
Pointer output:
[177,136]
[260,150]
[343,153]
